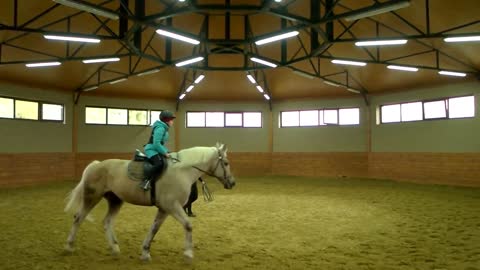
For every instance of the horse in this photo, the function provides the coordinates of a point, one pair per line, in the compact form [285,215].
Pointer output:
[108,179]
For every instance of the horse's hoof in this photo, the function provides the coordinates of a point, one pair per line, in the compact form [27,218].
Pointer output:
[69,248]
[146,257]
[115,250]
[188,256]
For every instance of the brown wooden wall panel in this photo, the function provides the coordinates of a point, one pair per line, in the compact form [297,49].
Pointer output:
[32,168]
[320,164]
[460,169]
[250,163]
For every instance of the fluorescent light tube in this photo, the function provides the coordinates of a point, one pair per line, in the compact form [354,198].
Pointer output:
[117,81]
[43,64]
[199,79]
[303,74]
[177,36]
[333,84]
[91,88]
[413,69]
[381,42]
[278,1]
[353,90]
[462,39]
[148,72]
[251,79]
[263,62]
[380,9]
[189,61]
[181,96]
[71,38]
[89,8]
[266,97]
[352,63]
[260,89]
[451,73]
[189,88]
[277,37]
[101,60]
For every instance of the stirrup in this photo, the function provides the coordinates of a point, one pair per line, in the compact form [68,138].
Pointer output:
[145,185]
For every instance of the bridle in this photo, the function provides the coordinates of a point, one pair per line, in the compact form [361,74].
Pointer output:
[219,162]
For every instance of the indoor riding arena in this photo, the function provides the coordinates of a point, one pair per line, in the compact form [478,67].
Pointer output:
[319,134]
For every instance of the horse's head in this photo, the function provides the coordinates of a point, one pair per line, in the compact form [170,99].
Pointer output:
[221,169]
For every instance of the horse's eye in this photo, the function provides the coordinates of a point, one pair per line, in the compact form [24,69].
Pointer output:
[226,163]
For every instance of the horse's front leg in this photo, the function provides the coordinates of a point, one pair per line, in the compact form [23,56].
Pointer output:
[179,214]
[159,219]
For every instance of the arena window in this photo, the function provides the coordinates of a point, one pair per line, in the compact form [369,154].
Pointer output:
[313,118]
[12,108]
[120,116]
[224,119]
[446,108]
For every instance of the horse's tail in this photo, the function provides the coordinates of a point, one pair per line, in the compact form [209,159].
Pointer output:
[76,196]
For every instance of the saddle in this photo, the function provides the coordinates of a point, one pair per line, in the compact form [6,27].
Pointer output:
[140,168]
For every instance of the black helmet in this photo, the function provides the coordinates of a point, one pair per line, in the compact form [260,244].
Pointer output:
[166,116]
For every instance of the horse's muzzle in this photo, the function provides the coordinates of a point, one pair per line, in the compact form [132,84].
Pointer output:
[229,183]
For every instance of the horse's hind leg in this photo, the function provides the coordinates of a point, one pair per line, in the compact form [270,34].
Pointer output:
[114,205]
[159,219]
[181,217]
[90,199]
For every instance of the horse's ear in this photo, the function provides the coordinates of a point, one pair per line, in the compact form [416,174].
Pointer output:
[218,145]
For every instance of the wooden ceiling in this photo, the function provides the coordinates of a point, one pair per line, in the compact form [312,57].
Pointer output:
[424,23]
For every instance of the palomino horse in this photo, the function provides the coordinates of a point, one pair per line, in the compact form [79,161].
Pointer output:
[108,179]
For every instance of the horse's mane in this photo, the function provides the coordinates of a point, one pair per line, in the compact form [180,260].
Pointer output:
[194,155]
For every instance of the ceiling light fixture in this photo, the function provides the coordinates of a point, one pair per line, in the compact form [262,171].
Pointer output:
[276,38]
[43,64]
[263,62]
[303,74]
[101,60]
[412,69]
[148,72]
[82,5]
[117,81]
[381,42]
[346,62]
[353,90]
[251,79]
[260,89]
[189,88]
[189,61]
[333,83]
[451,73]
[377,9]
[181,96]
[462,39]
[72,38]
[90,88]
[266,97]
[199,79]
[177,36]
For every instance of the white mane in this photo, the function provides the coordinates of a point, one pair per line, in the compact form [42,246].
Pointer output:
[195,155]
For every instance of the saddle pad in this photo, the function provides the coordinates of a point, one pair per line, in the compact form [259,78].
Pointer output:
[135,170]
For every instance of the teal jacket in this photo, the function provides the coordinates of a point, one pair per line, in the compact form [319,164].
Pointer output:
[160,138]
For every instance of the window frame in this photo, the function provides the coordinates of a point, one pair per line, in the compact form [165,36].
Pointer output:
[224,119]
[423,101]
[321,117]
[39,110]
[117,108]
